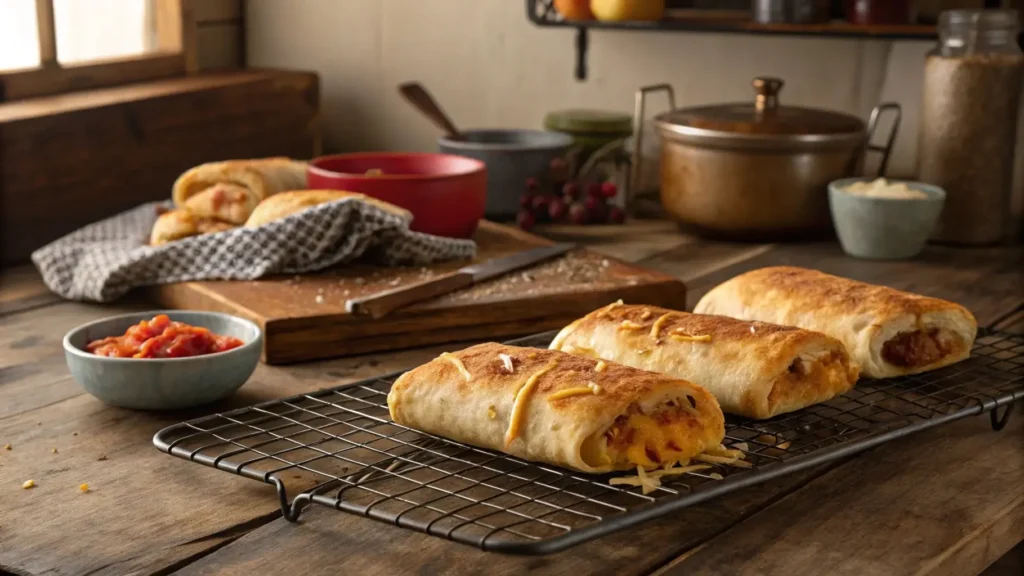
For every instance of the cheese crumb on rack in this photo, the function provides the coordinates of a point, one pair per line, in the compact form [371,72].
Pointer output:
[519,403]
[568,392]
[656,327]
[724,460]
[600,366]
[506,361]
[630,325]
[28,484]
[716,476]
[458,365]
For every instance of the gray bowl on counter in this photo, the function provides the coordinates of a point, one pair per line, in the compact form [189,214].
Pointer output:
[164,383]
[511,156]
[884,228]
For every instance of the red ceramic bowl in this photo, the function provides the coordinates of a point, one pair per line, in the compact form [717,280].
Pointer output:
[445,193]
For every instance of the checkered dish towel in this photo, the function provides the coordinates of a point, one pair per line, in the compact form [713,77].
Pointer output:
[103,261]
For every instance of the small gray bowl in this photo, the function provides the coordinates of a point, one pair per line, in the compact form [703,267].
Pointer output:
[884,228]
[511,156]
[164,383]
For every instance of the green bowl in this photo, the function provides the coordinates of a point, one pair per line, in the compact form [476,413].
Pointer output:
[884,228]
[164,383]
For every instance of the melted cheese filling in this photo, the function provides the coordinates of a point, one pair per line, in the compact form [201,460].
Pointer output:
[650,440]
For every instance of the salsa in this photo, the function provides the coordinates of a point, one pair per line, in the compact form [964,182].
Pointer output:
[162,338]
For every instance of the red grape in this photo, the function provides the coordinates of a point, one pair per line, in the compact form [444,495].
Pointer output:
[578,213]
[539,207]
[596,208]
[571,190]
[616,215]
[559,169]
[526,200]
[594,190]
[557,209]
[525,220]
[609,190]
[531,184]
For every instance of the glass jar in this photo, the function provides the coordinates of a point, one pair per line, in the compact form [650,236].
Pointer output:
[972,90]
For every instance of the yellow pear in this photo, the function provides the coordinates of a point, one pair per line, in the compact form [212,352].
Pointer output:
[621,10]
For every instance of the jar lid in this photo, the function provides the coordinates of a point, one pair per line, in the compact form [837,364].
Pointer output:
[764,118]
[589,121]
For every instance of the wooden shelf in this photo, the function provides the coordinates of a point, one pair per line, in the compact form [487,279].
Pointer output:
[542,13]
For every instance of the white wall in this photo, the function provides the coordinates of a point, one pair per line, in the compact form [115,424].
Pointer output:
[491,67]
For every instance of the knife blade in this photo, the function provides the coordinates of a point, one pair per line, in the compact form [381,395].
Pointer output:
[381,303]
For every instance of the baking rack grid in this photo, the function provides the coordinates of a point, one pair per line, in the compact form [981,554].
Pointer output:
[338,448]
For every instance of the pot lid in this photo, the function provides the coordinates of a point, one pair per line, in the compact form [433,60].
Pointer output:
[762,117]
[589,121]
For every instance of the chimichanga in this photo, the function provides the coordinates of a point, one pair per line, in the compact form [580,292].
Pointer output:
[177,224]
[888,332]
[753,369]
[230,190]
[548,406]
[287,203]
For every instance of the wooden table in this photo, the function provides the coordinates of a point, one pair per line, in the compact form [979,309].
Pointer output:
[945,501]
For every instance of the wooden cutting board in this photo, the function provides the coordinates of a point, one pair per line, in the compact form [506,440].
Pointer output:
[304,318]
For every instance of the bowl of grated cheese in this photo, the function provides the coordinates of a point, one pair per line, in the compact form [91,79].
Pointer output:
[884,219]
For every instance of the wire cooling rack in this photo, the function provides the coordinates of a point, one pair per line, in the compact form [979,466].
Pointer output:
[338,448]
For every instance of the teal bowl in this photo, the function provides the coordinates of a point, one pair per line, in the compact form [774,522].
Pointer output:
[164,383]
[884,228]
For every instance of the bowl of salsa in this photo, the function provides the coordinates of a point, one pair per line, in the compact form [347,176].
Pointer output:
[163,360]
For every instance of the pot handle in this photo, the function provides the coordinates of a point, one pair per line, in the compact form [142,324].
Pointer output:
[886,149]
[636,162]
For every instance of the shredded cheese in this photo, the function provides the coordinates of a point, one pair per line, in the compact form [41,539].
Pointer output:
[506,361]
[651,481]
[721,450]
[597,389]
[681,337]
[645,314]
[715,476]
[600,366]
[579,391]
[580,348]
[521,398]
[680,470]
[656,327]
[630,325]
[741,446]
[28,484]
[83,487]
[458,365]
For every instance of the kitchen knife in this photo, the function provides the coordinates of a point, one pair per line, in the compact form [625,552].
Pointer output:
[381,303]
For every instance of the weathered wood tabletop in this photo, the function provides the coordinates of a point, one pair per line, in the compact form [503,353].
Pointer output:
[946,501]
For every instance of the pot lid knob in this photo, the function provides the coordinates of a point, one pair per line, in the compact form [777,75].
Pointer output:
[767,90]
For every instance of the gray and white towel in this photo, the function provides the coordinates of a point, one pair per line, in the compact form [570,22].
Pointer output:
[103,261]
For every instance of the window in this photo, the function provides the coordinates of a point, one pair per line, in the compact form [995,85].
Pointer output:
[53,46]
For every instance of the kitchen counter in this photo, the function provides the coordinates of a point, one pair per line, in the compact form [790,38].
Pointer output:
[945,501]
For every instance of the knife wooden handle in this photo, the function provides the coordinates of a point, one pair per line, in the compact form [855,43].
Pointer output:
[380,304]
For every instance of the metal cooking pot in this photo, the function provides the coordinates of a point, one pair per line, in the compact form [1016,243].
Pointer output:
[758,170]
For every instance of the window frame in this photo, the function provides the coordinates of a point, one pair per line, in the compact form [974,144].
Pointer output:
[175,56]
